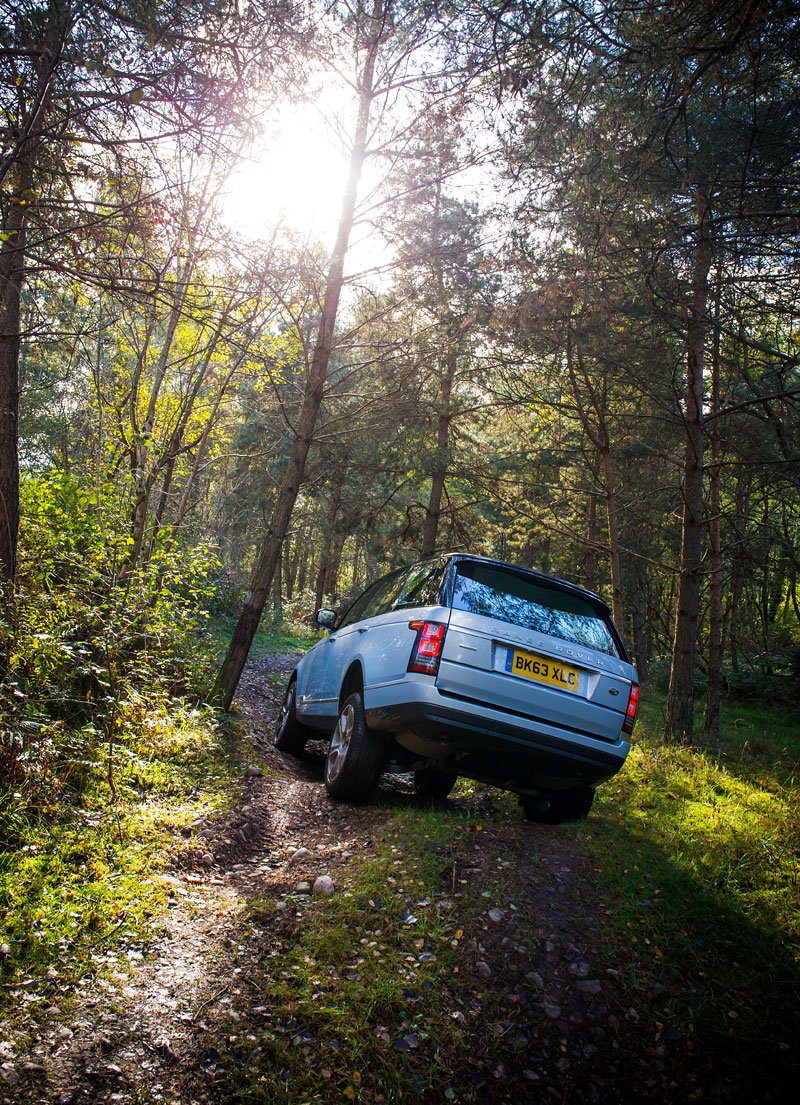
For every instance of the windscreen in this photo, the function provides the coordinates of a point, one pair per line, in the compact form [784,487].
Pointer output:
[520,600]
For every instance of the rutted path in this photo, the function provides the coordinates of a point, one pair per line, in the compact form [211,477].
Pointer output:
[132,1032]
[143,1030]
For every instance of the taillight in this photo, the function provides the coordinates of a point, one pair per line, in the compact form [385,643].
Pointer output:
[633,706]
[427,650]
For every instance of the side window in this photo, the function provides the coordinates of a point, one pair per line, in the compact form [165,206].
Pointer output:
[377,599]
[355,612]
[415,586]
[385,599]
[422,585]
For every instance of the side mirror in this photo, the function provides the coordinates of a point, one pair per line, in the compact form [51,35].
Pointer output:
[326,619]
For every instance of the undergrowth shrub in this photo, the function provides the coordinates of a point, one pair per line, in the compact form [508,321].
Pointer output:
[776,681]
[85,633]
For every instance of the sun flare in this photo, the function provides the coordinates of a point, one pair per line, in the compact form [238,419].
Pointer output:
[293,178]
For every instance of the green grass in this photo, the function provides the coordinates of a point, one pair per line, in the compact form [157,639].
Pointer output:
[355,1006]
[268,639]
[93,821]
[697,850]
[83,845]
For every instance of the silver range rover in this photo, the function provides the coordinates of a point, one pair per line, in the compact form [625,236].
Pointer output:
[464,665]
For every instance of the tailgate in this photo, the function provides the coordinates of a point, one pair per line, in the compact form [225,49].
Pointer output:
[510,668]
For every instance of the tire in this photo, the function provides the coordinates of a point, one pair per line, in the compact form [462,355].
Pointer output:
[430,782]
[355,756]
[290,736]
[561,806]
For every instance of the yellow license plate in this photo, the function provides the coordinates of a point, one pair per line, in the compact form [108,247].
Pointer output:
[530,666]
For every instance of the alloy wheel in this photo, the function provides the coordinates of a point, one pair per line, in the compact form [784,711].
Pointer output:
[340,743]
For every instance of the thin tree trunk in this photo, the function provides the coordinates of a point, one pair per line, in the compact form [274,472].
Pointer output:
[290,562]
[334,565]
[714,688]
[143,480]
[639,622]
[12,274]
[617,604]
[185,503]
[230,673]
[765,610]
[680,702]
[598,433]
[590,559]
[304,562]
[319,589]
[11,278]
[277,595]
[356,565]
[327,556]
[441,457]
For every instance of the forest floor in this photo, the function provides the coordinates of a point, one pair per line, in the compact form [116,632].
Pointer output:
[512,993]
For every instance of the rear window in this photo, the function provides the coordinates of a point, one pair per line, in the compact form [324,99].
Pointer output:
[507,597]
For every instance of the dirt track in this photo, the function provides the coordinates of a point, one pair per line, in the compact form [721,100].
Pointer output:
[147,1031]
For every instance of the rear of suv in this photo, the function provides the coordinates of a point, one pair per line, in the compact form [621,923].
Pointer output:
[464,665]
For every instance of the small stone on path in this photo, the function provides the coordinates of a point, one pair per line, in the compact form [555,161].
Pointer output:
[589,986]
[323,886]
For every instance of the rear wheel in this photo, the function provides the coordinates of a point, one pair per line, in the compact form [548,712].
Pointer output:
[290,736]
[429,782]
[559,806]
[355,755]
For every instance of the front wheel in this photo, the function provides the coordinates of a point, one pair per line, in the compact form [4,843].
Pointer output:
[559,806]
[355,756]
[290,735]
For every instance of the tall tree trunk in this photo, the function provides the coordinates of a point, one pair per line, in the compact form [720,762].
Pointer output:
[617,604]
[714,688]
[680,701]
[639,621]
[738,568]
[334,566]
[230,673]
[356,565]
[590,559]
[141,434]
[319,588]
[277,593]
[305,554]
[21,179]
[440,457]
[291,560]
[765,609]
[597,430]
[327,557]
[11,277]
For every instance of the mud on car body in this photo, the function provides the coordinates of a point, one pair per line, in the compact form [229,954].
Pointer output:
[464,665]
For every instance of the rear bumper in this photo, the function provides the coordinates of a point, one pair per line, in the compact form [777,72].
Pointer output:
[493,745]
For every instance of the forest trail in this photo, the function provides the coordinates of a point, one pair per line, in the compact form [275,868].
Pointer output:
[150,1025]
